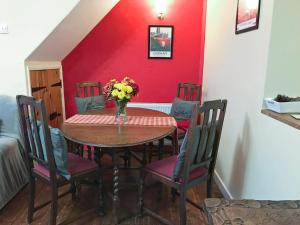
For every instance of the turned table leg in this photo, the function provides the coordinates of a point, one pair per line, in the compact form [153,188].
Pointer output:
[116,199]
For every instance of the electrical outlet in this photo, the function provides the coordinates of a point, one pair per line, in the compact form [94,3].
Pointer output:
[3,28]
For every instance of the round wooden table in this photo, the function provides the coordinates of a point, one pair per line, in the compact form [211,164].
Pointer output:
[100,135]
[114,138]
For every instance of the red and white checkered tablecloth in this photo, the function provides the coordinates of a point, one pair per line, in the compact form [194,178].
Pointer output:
[131,120]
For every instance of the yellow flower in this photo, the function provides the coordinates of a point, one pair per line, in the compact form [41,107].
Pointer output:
[123,87]
[129,89]
[118,86]
[121,95]
[115,92]
[128,96]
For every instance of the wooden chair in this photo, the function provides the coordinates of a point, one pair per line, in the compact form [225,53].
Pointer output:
[88,88]
[199,159]
[44,167]
[187,92]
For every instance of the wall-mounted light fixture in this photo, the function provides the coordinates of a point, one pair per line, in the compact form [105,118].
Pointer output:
[161,8]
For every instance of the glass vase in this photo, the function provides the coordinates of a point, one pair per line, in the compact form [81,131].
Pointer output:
[121,116]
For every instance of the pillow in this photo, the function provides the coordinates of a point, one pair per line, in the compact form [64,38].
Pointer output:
[60,149]
[182,109]
[89,103]
[181,156]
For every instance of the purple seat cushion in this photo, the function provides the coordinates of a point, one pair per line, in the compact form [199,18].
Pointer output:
[165,167]
[76,166]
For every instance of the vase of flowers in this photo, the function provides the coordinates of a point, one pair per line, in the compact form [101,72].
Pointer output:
[121,92]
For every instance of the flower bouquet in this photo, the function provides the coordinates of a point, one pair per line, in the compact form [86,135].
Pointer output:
[122,92]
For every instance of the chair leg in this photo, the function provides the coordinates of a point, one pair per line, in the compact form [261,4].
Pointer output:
[73,190]
[53,212]
[160,148]
[127,158]
[159,192]
[31,199]
[209,187]
[182,208]
[175,143]
[150,152]
[89,152]
[173,193]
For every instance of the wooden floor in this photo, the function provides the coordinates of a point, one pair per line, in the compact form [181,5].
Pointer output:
[83,211]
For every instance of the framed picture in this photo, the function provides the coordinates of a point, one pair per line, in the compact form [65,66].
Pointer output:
[160,42]
[247,16]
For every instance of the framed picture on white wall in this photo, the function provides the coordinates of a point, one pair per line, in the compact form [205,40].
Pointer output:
[160,42]
[247,16]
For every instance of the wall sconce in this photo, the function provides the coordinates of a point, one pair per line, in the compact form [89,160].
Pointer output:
[161,8]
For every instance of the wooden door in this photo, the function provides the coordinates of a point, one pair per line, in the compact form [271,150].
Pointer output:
[46,85]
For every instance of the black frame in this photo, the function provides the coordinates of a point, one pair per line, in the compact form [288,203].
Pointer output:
[172,39]
[249,28]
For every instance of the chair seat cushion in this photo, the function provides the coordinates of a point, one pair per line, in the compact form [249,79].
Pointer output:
[183,124]
[76,166]
[165,167]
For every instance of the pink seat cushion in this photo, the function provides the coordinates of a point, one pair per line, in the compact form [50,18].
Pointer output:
[165,167]
[183,124]
[76,166]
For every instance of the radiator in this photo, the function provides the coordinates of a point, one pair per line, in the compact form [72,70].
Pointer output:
[163,107]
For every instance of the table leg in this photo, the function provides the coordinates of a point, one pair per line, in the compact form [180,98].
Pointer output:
[101,203]
[116,199]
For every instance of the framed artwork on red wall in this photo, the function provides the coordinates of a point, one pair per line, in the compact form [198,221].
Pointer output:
[160,42]
[247,16]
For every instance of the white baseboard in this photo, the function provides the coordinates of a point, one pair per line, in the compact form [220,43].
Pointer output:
[224,190]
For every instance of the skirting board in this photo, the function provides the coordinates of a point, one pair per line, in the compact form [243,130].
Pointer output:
[224,190]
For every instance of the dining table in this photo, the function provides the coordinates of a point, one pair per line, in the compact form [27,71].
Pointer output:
[98,128]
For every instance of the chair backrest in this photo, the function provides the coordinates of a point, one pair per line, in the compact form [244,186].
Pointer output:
[189,91]
[202,150]
[34,121]
[88,88]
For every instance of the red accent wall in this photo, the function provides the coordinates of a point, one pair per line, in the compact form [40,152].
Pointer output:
[118,47]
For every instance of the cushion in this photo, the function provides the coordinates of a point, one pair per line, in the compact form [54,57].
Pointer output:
[181,156]
[165,167]
[76,166]
[182,109]
[60,149]
[89,103]
[183,124]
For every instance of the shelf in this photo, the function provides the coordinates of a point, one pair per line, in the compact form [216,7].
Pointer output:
[283,117]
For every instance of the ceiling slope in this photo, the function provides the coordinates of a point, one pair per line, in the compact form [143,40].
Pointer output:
[75,26]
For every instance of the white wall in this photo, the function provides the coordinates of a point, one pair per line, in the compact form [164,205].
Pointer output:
[283,75]
[258,156]
[29,22]
[66,36]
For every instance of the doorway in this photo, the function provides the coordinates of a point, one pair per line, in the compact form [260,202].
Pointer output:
[46,85]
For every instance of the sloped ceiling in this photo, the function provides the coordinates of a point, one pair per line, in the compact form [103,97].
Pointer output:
[67,35]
